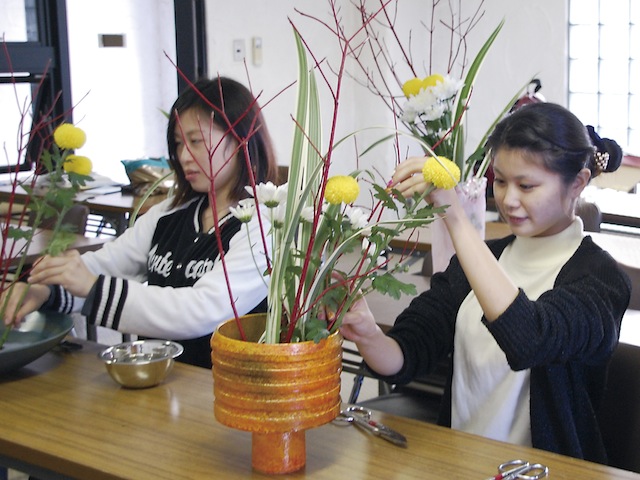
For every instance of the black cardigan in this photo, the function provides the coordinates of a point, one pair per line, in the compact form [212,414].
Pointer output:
[566,337]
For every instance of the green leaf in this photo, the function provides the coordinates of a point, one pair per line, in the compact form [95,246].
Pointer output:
[78,180]
[60,242]
[46,160]
[19,233]
[320,335]
[458,137]
[389,285]
[479,153]
[386,197]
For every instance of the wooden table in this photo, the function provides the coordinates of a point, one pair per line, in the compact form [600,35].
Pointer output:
[115,207]
[39,243]
[626,178]
[618,208]
[624,248]
[63,417]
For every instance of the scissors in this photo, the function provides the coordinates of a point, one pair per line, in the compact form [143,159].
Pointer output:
[521,470]
[361,417]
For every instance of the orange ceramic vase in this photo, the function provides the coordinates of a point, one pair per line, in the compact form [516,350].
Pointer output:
[275,391]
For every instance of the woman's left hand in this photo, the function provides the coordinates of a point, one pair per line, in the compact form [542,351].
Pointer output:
[67,270]
[409,180]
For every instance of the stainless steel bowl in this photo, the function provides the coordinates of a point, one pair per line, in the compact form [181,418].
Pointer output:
[140,364]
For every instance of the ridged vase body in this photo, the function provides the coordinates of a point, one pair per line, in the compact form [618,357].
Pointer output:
[275,391]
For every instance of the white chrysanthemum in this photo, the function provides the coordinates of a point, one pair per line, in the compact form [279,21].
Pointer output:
[277,215]
[426,105]
[245,210]
[447,89]
[434,112]
[269,194]
[423,100]
[357,217]
[307,214]
[408,113]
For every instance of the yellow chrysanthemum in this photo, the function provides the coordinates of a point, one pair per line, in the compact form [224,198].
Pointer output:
[77,164]
[433,80]
[68,136]
[412,87]
[341,189]
[444,174]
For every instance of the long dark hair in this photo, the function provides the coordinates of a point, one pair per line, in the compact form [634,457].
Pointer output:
[233,104]
[565,145]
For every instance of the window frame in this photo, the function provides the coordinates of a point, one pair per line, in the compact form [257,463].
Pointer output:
[45,61]
[631,140]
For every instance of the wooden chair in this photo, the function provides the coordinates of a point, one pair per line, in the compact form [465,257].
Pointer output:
[619,415]
[421,399]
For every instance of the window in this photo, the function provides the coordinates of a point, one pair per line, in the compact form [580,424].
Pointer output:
[35,57]
[604,68]
[36,38]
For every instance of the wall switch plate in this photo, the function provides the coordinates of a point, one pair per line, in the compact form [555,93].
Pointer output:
[239,51]
[256,51]
[106,40]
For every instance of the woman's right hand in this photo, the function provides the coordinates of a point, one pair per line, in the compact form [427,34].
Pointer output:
[382,353]
[358,324]
[17,307]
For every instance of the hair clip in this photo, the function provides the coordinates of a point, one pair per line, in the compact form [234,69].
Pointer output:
[602,160]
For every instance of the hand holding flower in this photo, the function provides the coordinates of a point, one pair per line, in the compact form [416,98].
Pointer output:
[407,178]
[67,270]
[383,353]
[416,174]
[359,323]
[51,197]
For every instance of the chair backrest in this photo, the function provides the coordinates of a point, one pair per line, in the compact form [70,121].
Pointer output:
[76,216]
[590,214]
[619,415]
[634,276]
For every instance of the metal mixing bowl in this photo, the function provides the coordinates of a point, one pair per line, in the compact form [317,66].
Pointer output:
[140,364]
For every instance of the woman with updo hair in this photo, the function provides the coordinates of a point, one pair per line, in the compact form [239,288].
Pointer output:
[529,321]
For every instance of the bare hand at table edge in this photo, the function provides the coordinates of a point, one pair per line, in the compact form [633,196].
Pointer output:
[67,270]
[15,310]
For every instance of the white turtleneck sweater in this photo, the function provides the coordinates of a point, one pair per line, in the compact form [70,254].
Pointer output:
[488,398]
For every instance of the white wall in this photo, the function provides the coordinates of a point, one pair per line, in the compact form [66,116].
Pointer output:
[533,42]
[119,93]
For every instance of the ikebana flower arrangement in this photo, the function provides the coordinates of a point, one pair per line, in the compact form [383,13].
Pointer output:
[432,107]
[58,176]
[313,221]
